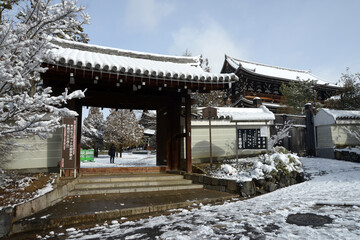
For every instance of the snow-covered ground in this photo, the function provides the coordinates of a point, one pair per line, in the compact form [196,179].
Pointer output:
[349,149]
[336,184]
[13,187]
[128,159]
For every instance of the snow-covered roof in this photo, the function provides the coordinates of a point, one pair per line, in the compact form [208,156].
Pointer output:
[241,114]
[149,131]
[327,116]
[118,61]
[266,104]
[276,72]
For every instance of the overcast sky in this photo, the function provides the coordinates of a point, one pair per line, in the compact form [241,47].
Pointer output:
[318,35]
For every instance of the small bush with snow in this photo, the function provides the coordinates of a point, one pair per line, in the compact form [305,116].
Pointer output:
[280,161]
[228,169]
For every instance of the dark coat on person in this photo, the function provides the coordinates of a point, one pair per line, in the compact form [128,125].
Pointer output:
[112,151]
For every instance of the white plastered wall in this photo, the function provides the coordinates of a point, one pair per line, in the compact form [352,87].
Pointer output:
[223,134]
[35,153]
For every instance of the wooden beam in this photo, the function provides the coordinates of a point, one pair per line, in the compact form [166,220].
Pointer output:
[188,165]
[60,76]
[173,130]
[78,108]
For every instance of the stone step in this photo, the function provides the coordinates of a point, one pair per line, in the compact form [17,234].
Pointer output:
[134,189]
[129,177]
[122,184]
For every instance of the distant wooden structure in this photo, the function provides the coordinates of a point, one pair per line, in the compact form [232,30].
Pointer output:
[123,79]
[264,81]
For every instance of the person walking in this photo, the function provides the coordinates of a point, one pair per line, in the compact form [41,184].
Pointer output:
[112,151]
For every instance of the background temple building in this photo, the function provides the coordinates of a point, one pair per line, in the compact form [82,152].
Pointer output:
[264,81]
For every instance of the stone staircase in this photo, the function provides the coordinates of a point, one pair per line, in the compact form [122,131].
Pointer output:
[128,183]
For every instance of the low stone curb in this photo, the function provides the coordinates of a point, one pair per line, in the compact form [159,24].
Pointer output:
[48,199]
[43,224]
[347,156]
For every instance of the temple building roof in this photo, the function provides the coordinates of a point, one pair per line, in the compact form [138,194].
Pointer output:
[275,72]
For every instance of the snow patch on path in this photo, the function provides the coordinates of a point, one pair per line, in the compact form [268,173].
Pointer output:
[127,160]
[262,217]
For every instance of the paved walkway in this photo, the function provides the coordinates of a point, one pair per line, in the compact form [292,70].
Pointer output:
[87,209]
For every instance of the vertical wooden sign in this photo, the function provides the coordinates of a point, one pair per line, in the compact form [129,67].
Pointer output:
[68,160]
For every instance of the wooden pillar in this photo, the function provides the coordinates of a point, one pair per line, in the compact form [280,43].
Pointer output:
[188,133]
[78,107]
[310,133]
[161,136]
[173,132]
[168,127]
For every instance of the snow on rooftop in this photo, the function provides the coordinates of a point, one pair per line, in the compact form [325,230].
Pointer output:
[149,131]
[99,58]
[342,114]
[242,114]
[276,72]
[327,116]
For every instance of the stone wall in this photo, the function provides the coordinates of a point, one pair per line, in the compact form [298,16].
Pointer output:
[246,189]
[347,156]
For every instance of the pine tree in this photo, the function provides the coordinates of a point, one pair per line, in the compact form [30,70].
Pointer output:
[92,134]
[297,93]
[349,96]
[122,129]
[212,98]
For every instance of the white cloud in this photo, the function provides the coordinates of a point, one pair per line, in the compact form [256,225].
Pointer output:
[145,15]
[211,40]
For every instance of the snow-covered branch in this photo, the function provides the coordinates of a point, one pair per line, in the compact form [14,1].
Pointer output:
[353,132]
[26,109]
[281,133]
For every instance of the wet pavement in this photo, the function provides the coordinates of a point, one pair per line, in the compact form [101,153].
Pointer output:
[87,204]
[92,209]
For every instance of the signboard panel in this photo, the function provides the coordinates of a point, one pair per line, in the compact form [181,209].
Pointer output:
[263,131]
[209,112]
[68,160]
[251,139]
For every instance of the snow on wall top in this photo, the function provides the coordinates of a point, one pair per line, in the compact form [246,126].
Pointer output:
[241,114]
[99,58]
[276,72]
[149,131]
[327,116]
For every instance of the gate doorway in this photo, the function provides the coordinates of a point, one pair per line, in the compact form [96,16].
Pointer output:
[122,79]
[132,132]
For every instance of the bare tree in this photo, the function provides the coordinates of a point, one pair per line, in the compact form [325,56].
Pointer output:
[353,132]
[281,133]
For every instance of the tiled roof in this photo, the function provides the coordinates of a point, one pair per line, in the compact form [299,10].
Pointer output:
[342,114]
[276,72]
[118,61]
